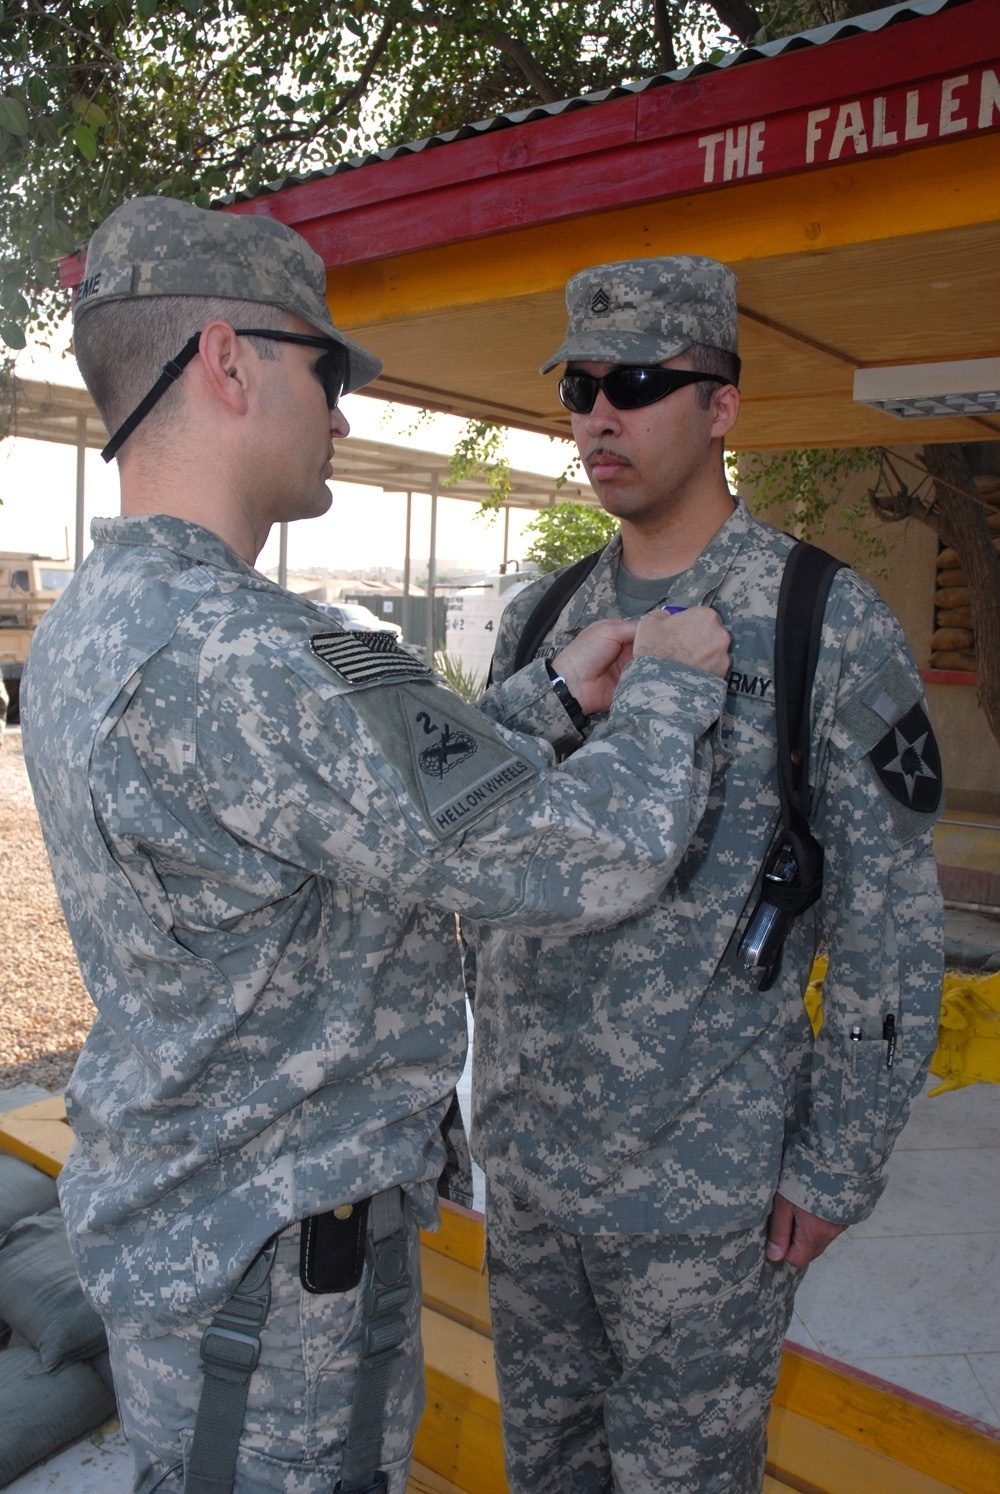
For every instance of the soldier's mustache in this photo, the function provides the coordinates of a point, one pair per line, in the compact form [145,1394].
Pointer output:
[606,451]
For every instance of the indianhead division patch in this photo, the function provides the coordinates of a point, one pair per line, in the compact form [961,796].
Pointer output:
[367,658]
[908,762]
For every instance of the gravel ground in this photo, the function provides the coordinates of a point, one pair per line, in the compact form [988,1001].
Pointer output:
[46,1013]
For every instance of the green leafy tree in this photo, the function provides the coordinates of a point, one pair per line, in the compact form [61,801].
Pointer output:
[566,532]
[194,98]
[803,489]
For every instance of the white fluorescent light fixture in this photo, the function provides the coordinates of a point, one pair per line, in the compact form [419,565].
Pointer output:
[914,391]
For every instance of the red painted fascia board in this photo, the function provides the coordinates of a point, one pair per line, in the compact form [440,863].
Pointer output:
[512,149]
[612,154]
[605,155]
[933,46]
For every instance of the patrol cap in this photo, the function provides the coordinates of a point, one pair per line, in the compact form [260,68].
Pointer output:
[648,310]
[157,246]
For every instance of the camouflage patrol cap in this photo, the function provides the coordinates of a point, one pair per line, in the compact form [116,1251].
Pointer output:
[648,310]
[157,246]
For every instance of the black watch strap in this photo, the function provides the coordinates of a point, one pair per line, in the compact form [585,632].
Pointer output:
[566,698]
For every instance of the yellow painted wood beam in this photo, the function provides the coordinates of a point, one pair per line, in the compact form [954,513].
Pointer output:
[910,1435]
[460,1236]
[946,186]
[806,1457]
[459,1435]
[38,1134]
[455,1291]
[424,1480]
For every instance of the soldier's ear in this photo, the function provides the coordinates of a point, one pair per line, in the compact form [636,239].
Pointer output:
[225,366]
[725,408]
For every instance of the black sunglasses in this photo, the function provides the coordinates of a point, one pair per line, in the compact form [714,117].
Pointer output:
[628,388]
[332,370]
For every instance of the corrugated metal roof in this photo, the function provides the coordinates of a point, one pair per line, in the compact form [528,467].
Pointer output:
[820,36]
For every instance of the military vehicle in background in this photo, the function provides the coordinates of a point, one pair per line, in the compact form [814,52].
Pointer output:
[29,584]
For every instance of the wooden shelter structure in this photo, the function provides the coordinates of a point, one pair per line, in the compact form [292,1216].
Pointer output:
[850,176]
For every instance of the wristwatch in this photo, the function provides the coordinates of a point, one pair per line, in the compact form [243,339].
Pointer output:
[566,698]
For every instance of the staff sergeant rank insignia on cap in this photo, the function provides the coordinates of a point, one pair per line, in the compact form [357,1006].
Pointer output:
[601,303]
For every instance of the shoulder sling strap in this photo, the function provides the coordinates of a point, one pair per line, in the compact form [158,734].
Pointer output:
[805,586]
[794,874]
[548,608]
[230,1351]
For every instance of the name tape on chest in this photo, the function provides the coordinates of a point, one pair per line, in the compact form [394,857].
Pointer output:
[367,658]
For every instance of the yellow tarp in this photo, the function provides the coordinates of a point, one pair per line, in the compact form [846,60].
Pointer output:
[968,1047]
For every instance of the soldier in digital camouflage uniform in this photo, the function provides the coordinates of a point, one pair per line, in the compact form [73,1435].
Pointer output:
[666,1146]
[260,830]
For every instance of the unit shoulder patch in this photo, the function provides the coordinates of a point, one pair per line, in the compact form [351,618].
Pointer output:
[908,762]
[462,770]
[367,658]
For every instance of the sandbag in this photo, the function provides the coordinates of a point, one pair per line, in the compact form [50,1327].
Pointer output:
[947,640]
[42,1411]
[40,1293]
[966,663]
[23,1191]
[954,617]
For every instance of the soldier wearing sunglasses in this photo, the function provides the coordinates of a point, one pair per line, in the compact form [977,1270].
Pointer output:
[261,827]
[666,1145]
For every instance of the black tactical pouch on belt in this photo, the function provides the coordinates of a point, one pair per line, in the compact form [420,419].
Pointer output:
[332,1248]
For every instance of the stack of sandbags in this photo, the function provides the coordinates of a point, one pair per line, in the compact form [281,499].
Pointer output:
[55,1380]
[953,642]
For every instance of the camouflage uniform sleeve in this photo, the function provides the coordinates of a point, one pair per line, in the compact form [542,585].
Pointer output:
[525,701]
[881,909]
[406,789]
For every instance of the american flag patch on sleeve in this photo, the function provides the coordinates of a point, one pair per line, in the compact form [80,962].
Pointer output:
[367,658]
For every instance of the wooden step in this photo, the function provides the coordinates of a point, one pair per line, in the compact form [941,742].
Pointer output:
[455,1291]
[459,1434]
[425,1481]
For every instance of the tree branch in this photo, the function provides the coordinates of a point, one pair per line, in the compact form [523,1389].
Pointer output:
[519,54]
[663,31]
[739,18]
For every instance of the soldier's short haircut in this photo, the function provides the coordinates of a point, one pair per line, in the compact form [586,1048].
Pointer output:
[712,361]
[122,346]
